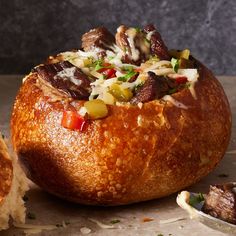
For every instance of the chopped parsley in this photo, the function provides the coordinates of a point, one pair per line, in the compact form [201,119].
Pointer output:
[128,76]
[114,221]
[138,30]
[194,200]
[175,64]
[99,64]
[31,216]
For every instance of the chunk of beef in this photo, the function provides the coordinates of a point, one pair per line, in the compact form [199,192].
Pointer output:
[155,87]
[67,78]
[220,202]
[98,38]
[133,43]
[158,47]
[122,38]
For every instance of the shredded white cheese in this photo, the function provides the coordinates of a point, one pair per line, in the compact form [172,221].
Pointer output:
[192,75]
[174,102]
[101,86]
[157,65]
[131,32]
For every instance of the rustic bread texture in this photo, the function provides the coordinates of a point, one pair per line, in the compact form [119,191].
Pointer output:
[131,155]
[13,185]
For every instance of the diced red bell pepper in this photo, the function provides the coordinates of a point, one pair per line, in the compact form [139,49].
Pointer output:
[181,80]
[72,120]
[109,73]
[105,66]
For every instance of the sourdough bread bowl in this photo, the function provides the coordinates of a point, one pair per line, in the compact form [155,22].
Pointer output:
[141,149]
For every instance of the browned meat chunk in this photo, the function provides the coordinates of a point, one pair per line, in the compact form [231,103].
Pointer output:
[98,38]
[157,45]
[122,39]
[221,202]
[134,44]
[66,77]
[155,87]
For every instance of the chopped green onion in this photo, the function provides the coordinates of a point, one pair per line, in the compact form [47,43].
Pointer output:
[111,58]
[99,64]
[127,68]
[126,77]
[196,199]
[114,221]
[175,64]
[138,30]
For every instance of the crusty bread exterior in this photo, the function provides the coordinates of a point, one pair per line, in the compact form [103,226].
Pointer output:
[134,154]
[6,170]
[13,185]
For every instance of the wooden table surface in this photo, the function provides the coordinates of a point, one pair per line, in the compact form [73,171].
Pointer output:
[51,210]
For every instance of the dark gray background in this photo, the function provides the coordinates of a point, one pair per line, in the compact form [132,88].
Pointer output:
[30,30]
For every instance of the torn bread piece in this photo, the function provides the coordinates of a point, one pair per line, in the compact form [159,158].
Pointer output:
[13,185]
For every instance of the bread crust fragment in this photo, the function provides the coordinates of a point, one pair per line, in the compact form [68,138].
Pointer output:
[6,170]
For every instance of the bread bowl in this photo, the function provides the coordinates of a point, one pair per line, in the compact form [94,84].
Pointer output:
[133,145]
[13,185]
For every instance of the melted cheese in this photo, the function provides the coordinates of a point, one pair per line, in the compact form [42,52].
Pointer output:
[69,74]
[131,32]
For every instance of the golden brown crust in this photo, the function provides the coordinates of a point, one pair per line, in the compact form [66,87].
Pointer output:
[6,170]
[131,155]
